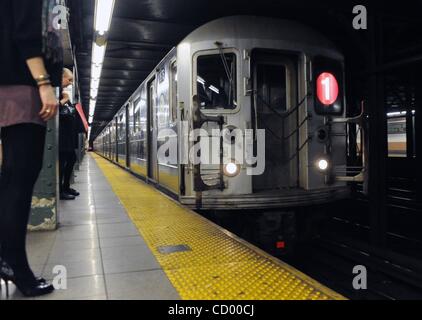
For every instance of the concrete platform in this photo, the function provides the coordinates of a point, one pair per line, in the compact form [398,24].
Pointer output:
[104,255]
[123,239]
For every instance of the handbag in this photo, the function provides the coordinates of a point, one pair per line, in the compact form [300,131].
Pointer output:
[67,110]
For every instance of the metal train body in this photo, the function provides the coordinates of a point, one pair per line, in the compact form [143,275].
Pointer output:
[243,73]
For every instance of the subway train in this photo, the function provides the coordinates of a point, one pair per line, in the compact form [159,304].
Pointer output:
[245,113]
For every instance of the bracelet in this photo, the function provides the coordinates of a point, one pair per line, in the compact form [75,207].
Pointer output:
[42,78]
[44,83]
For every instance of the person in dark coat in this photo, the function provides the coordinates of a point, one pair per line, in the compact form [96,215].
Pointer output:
[67,140]
[30,63]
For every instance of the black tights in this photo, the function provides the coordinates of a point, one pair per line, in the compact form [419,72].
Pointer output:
[23,149]
[67,162]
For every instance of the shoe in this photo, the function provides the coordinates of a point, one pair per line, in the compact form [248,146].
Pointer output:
[38,279]
[66,196]
[26,284]
[73,192]
[41,280]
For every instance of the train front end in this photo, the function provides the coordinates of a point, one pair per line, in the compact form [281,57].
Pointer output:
[263,116]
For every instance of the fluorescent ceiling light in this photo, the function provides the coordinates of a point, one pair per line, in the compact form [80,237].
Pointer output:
[398,113]
[94,93]
[96,70]
[103,14]
[212,88]
[95,83]
[102,20]
[98,53]
[200,80]
[92,105]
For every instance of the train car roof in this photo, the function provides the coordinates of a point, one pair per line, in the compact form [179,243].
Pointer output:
[260,28]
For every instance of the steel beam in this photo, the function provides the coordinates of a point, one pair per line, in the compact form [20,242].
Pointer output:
[377,139]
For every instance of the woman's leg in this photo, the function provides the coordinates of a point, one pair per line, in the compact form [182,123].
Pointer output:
[23,149]
[68,170]
[62,165]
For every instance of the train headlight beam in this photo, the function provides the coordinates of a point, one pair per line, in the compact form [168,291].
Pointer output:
[231,169]
[323,165]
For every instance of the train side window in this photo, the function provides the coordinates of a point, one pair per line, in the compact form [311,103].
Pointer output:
[122,131]
[216,81]
[137,115]
[173,90]
[130,118]
[397,139]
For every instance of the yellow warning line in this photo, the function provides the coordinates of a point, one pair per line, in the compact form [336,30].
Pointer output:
[218,265]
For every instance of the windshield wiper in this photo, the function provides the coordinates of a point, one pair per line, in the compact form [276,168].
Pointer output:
[229,71]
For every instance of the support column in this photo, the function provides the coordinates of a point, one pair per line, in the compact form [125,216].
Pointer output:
[418,133]
[377,140]
[409,124]
[44,202]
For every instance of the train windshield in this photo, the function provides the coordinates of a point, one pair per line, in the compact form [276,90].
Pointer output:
[216,81]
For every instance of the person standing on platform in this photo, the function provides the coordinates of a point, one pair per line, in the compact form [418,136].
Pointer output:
[31,57]
[67,140]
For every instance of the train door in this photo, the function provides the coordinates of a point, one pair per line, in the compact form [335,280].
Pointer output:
[115,140]
[128,133]
[168,171]
[109,142]
[152,132]
[121,137]
[275,94]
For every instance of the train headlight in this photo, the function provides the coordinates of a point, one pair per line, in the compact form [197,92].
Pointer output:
[323,165]
[231,169]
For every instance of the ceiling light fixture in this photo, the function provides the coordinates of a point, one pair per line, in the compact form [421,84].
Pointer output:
[103,14]
[102,21]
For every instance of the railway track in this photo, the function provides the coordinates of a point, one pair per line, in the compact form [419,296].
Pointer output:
[331,262]
[341,244]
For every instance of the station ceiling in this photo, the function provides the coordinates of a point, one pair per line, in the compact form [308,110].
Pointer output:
[143,31]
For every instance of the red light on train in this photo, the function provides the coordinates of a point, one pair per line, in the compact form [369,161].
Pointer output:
[280,245]
[327,88]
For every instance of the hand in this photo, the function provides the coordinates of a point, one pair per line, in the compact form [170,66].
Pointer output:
[49,102]
[65,99]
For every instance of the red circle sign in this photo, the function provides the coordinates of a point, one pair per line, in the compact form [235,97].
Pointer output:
[327,88]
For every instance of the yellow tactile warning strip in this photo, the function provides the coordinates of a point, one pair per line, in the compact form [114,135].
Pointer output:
[219,265]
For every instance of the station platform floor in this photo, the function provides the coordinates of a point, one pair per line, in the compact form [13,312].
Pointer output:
[123,239]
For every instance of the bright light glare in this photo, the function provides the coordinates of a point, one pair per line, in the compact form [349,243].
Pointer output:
[96,71]
[103,14]
[399,113]
[92,104]
[94,93]
[98,53]
[212,88]
[231,169]
[95,83]
[323,164]
[102,21]
[200,80]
